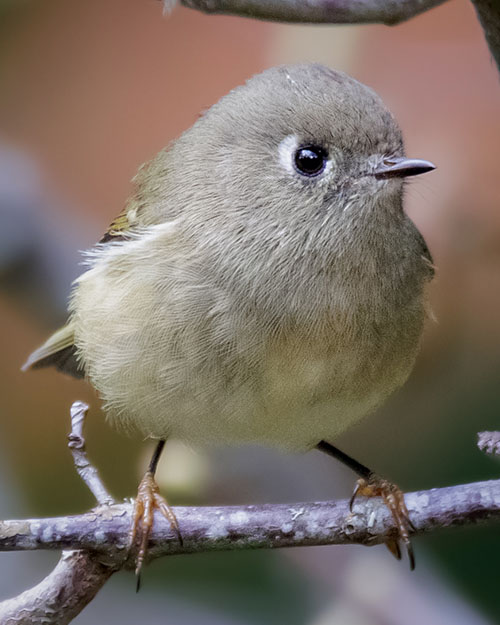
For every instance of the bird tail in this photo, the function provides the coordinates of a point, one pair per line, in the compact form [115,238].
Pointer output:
[58,351]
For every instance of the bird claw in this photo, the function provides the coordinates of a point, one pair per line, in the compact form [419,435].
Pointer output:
[148,498]
[394,499]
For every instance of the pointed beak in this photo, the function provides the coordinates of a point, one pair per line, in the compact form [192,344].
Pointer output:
[400,167]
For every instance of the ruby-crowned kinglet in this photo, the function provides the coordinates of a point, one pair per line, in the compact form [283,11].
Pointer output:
[263,283]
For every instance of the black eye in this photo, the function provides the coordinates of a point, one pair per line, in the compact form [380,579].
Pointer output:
[310,160]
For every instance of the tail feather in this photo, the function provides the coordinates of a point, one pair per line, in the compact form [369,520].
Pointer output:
[58,351]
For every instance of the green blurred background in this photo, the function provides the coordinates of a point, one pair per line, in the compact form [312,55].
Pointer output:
[89,91]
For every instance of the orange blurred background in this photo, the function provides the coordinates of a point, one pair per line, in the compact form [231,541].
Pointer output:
[89,91]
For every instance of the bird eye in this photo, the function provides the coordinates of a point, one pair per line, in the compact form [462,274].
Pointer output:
[310,160]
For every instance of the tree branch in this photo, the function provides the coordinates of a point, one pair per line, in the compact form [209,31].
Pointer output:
[488,12]
[489,442]
[79,575]
[99,539]
[387,12]
[76,443]
[104,530]
[61,596]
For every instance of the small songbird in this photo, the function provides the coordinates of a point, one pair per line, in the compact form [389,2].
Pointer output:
[263,283]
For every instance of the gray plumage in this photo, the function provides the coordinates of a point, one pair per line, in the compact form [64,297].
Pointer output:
[245,301]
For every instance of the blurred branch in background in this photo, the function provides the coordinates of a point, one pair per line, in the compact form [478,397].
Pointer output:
[38,248]
[489,442]
[388,12]
[103,533]
[488,12]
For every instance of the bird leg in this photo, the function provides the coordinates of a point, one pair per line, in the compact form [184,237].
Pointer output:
[148,498]
[372,485]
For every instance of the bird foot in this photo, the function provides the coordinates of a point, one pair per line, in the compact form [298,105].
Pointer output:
[394,499]
[148,499]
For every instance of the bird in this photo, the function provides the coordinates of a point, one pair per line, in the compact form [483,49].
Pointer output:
[263,283]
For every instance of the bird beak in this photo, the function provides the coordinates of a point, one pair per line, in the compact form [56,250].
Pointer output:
[400,167]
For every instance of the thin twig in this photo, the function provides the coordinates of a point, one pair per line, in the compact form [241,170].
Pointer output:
[489,442]
[76,443]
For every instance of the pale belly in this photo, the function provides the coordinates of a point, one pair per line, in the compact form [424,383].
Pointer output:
[296,394]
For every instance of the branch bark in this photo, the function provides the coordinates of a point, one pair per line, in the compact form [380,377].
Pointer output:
[76,444]
[488,12]
[387,12]
[79,575]
[104,530]
[99,540]
[61,596]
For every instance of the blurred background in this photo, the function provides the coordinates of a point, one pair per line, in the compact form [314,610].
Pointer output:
[89,91]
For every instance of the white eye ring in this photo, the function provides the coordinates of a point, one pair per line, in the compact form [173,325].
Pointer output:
[287,151]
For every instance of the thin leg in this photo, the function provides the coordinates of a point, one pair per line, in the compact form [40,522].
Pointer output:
[148,498]
[356,466]
[155,458]
[372,485]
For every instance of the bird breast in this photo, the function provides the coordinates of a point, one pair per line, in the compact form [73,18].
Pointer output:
[175,356]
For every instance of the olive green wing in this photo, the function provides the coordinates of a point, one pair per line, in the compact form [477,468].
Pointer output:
[59,350]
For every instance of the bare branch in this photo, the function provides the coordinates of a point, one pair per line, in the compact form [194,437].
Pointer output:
[387,12]
[61,595]
[99,539]
[79,575]
[76,443]
[488,12]
[489,442]
[105,529]
[103,535]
